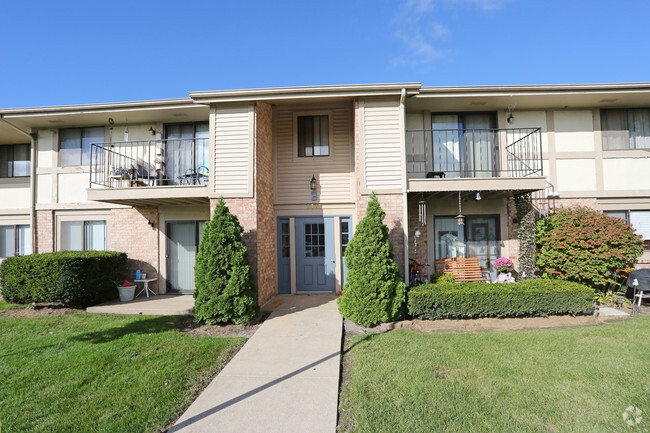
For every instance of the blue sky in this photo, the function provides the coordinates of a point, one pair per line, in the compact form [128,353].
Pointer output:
[72,52]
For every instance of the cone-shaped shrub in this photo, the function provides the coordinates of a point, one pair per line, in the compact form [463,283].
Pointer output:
[224,288]
[374,292]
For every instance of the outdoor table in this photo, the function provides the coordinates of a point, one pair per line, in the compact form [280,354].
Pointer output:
[146,288]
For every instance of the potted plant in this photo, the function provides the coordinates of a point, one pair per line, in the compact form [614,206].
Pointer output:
[504,267]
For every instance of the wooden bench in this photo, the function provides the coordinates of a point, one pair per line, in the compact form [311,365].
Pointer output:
[463,269]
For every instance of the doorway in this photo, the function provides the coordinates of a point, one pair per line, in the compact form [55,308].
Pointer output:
[183,238]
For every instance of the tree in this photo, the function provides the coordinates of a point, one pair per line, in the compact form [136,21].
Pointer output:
[374,291]
[224,288]
[586,246]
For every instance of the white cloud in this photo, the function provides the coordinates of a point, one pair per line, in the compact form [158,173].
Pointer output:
[421,34]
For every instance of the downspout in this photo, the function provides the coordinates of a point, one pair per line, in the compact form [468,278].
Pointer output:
[32,178]
[405,215]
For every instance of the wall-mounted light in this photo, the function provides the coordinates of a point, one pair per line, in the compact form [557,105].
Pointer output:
[478,196]
[152,131]
[312,183]
[511,118]
[151,224]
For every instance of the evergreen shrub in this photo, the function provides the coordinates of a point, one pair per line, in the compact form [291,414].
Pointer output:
[73,278]
[536,297]
[224,286]
[374,291]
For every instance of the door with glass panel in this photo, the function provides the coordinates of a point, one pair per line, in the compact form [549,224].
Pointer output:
[464,144]
[315,258]
[478,237]
[187,153]
[284,256]
[183,238]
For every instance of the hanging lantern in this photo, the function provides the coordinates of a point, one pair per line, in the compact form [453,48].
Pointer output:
[422,212]
[460,217]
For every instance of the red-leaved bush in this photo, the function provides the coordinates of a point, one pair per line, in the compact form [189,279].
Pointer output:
[586,246]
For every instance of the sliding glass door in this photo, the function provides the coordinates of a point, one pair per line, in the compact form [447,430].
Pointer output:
[479,237]
[183,239]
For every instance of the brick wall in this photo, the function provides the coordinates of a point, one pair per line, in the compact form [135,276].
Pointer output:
[129,231]
[392,204]
[44,231]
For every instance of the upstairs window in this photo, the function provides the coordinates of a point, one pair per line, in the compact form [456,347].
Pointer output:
[313,136]
[74,145]
[14,160]
[625,128]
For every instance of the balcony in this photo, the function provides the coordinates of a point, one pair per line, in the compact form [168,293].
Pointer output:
[153,172]
[475,159]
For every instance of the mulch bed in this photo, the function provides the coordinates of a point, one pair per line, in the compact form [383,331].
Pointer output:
[40,310]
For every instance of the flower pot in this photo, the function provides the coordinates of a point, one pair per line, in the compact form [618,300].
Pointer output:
[126,293]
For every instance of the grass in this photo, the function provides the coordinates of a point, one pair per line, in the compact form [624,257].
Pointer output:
[573,380]
[102,373]
[7,306]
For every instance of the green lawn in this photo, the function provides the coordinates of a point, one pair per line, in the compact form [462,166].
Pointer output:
[101,373]
[573,380]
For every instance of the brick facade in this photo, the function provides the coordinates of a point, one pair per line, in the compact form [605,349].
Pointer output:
[256,215]
[128,230]
[392,204]
[44,231]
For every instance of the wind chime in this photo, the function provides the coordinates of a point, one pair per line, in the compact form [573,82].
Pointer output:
[460,217]
[422,218]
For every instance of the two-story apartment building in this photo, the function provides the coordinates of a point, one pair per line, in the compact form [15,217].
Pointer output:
[297,166]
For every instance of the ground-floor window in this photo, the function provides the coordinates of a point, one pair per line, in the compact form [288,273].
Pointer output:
[478,237]
[15,240]
[83,235]
[639,219]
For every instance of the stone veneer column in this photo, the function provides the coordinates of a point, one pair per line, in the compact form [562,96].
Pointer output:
[129,231]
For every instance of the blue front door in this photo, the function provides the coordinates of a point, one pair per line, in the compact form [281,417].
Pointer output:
[315,257]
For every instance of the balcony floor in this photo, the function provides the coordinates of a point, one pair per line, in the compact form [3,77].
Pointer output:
[504,185]
[151,195]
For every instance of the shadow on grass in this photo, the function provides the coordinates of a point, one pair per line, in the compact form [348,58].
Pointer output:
[153,325]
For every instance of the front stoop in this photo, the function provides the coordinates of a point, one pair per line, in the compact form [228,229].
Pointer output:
[284,379]
[159,305]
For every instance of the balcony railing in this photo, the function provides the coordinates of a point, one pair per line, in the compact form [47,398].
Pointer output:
[515,152]
[182,161]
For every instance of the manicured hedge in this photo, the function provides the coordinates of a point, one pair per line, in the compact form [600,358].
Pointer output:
[537,297]
[73,278]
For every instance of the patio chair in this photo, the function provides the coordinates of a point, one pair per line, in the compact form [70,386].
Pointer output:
[143,173]
[196,177]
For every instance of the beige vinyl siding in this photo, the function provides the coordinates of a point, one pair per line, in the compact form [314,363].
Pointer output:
[335,173]
[233,150]
[382,139]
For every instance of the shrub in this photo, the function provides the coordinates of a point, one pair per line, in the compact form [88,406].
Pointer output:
[537,297]
[73,278]
[224,287]
[582,245]
[441,277]
[373,292]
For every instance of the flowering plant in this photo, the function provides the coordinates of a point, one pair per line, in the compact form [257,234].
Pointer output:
[503,264]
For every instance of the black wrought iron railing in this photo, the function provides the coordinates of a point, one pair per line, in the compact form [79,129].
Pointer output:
[515,152]
[150,163]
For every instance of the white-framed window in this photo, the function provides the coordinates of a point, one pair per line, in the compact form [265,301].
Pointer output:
[15,240]
[639,219]
[74,144]
[14,160]
[624,129]
[83,236]
[313,135]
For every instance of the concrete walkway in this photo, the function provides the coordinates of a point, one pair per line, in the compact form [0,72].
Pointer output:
[163,305]
[285,379]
